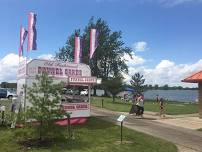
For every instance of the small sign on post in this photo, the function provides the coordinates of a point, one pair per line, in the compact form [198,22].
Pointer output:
[2,109]
[120,119]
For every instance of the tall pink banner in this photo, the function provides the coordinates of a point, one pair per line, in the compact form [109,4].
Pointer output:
[32,34]
[23,35]
[77,50]
[93,41]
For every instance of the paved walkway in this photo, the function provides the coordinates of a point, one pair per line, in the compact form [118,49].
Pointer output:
[187,140]
[189,121]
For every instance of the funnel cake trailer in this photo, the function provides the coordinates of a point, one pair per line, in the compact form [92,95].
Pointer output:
[74,75]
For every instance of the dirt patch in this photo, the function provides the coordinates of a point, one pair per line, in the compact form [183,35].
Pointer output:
[36,143]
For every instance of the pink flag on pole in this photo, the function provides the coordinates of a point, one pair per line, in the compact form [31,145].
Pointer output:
[32,34]
[93,41]
[77,49]
[23,35]
[81,49]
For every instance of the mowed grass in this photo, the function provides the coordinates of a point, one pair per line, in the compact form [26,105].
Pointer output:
[7,103]
[171,108]
[94,136]
[200,129]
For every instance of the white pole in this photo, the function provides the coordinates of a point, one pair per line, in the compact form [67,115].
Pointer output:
[200,99]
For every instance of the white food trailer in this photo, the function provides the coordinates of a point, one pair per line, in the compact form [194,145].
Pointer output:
[72,74]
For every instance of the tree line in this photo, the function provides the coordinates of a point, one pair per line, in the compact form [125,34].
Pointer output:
[167,87]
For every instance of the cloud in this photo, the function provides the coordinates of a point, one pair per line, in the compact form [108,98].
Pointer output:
[99,1]
[164,64]
[46,57]
[176,2]
[140,46]
[8,67]
[171,3]
[166,72]
[167,3]
[135,60]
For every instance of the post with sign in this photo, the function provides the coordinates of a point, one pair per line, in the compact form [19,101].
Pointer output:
[68,115]
[2,109]
[120,119]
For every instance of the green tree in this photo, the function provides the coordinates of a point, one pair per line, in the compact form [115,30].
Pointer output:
[108,58]
[165,87]
[137,82]
[150,86]
[156,86]
[114,86]
[179,87]
[45,99]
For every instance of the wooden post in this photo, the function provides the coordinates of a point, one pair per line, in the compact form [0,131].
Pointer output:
[200,99]
[89,94]
[68,115]
[69,126]
[3,108]
[102,103]
[2,118]
[121,131]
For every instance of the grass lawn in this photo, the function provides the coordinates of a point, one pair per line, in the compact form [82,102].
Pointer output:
[94,136]
[5,102]
[172,108]
[200,129]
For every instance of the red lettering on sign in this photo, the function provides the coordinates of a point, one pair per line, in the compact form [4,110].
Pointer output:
[75,107]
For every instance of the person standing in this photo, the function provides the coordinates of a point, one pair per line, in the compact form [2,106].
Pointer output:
[162,107]
[157,99]
[133,107]
[141,105]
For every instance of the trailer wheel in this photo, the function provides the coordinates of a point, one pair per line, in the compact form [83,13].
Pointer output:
[10,97]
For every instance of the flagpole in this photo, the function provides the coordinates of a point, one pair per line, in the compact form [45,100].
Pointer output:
[19,48]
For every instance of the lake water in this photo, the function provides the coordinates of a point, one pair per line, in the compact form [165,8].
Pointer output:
[173,95]
[170,95]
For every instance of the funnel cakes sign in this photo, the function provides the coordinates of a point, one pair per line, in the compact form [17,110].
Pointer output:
[57,69]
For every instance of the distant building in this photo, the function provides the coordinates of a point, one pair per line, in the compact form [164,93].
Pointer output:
[9,85]
[127,92]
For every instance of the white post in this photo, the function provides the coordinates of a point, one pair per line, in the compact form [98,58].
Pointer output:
[25,87]
[200,99]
